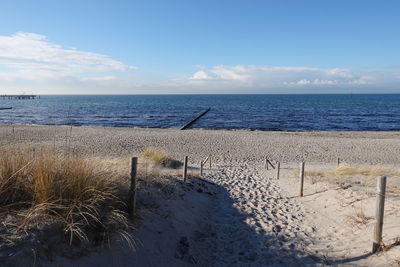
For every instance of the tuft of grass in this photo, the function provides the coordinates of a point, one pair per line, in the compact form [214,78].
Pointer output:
[160,157]
[156,155]
[358,218]
[345,169]
[79,195]
[13,188]
[345,172]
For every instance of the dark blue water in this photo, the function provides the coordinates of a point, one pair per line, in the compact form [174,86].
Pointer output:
[264,112]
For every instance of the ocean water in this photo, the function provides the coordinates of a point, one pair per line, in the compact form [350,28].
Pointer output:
[374,112]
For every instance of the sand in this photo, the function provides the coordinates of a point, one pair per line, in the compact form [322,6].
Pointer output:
[226,146]
[242,216]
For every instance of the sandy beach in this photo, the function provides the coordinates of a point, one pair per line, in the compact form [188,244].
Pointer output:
[199,133]
[224,145]
[239,214]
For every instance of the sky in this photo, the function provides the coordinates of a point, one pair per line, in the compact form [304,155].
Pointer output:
[199,47]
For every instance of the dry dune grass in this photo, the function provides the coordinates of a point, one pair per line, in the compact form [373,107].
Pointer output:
[345,173]
[313,173]
[78,200]
[155,155]
[358,218]
[159,157]
[78,195]
[345,169]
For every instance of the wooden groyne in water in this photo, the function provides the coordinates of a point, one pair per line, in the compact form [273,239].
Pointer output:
[187,125]
[23,97]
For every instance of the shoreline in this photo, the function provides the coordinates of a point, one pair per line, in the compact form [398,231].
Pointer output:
[200,128]
[197,129]
[226,146]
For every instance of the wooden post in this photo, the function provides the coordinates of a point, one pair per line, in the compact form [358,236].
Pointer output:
[301,178]
[338,162]
[185,168]
[194,120]
[278,168]
[269,162]
[379,210]
[132,189]
[210,160]
[266,163]
[201,168]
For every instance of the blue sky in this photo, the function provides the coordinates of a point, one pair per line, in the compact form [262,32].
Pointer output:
[187,46]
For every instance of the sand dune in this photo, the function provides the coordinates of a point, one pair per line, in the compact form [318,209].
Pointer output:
[242,216]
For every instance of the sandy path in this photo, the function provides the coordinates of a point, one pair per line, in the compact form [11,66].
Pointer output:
[255,223]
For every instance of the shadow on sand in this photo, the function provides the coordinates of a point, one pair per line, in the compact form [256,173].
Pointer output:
[233,242]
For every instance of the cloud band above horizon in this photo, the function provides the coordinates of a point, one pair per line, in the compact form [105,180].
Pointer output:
[31,62]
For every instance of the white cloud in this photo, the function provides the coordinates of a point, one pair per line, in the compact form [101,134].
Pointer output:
[278,79]
[200,75]
[329,82]
[235,73]
[272,77]
[29,62]
[303,82]
[31,55]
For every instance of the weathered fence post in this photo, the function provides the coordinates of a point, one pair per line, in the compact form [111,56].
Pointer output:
[270,163]
[379,210]
[278,168]
[184,174]
[201,168]
[338,162]
[132,189]
[301,178]
[266,163]
[187,125]
[210,161]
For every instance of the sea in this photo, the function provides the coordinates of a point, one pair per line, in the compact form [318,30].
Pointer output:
[336,112]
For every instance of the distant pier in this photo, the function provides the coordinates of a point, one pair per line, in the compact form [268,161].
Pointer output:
[24,97]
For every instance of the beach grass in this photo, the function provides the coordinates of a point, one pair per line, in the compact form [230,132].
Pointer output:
[345,174]
[80,196]
[155,155]
[358,217]
[346,170]
[159,157]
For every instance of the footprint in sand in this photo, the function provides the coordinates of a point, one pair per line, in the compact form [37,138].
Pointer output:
[263,228]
